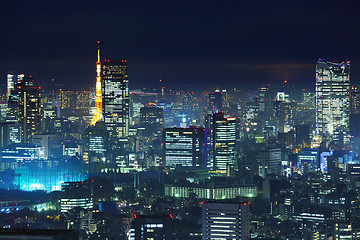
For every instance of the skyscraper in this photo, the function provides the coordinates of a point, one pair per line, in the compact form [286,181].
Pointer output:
[152,119]
[186,147]
[29,108]
[332,99]
[264,101]
[217,101]
[95,138]
[13,97]
[116,99]
[10,85]
[224,137]
[225,221]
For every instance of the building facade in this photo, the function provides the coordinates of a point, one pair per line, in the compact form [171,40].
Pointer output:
[211,192]
[29,113]
[332,99]
[151,227]
[224,137]
[225,221]
[186,147]
[116,99]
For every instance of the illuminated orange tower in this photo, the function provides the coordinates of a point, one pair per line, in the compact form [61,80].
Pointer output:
[98,99]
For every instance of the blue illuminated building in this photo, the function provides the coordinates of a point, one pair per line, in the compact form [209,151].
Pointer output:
[48,177]
[308,159]
[323,161]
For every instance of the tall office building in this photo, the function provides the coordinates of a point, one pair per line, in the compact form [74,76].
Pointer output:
[13,97]
[225,221]
[186,147]
[355,100]
[217,101]
[152,119]
[265,101]
[10,85]
[96,145]
[29,109]
[116,99]
[224,137]
[332,99]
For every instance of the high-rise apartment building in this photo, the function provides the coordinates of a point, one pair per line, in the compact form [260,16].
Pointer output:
[116,99]
[332,99]
[222,220]
[29,108]
[224,137]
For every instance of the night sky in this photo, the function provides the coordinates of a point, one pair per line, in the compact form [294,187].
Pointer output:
[223,43]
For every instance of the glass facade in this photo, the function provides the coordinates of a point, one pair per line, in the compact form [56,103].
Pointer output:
[224,141]
[211,193]
[332,99]
[29,109]
[48,178]
[116,98]
[185,147]
[308,160]
[225,221]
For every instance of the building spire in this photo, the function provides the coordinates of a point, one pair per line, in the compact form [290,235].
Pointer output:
[98,45]
[98,98]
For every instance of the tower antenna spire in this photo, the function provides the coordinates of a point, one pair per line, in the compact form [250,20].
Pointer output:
[98,46]
[98,98]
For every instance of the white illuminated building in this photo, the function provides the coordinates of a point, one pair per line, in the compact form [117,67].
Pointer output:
[69,203]
[332,99]
[225,221]
[76,194]
[224,135]
[10,85]
[116,99]
[185,147]
[17,155]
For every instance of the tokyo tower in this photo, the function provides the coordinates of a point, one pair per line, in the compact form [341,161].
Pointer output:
[98,99]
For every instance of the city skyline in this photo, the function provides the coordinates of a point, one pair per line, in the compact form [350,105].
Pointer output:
[235,43]
[188,120]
